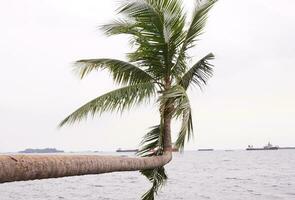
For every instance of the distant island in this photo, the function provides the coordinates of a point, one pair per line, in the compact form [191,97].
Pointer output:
[46,150]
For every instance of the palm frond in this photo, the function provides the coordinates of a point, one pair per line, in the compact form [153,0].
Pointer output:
[123,72]
[147,41]
[142,11]
[198,22]
[120,26]
[195,29]
[151,145]
[174,22]
[186,130]
[116,100]
[149,38]
[157,32]
[158,178]
[199,73]
[178,98]
[152,142]
[148,20]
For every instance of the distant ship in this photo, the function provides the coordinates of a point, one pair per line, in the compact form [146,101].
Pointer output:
[205,149]
[126,150]
[269,146]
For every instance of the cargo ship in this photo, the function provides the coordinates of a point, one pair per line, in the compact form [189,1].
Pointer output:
[269,146]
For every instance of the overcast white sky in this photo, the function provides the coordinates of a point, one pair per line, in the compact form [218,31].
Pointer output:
[250,99]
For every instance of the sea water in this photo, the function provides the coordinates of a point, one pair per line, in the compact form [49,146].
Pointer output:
[217,175]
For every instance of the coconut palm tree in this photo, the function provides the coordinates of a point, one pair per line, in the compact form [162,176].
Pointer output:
[158,69]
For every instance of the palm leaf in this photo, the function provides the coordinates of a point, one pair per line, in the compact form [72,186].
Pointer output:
[178,98]
[148,35]
[198,22]
[151,145]
[157,30]
[147,19]
[123,72]
[142,11]
[195,29]
[174,22]
[152,142]
[186,130]
[120,26]
[199,73]
[158,178]
[116,100]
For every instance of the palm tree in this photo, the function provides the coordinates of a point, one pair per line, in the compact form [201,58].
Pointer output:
[157,69]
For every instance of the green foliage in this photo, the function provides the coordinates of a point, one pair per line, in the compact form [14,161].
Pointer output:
[116,100]
[178,97]
[195,29]
[152,142]
[158,68]
[199,73]
[123,72]
[158,178]
[152,145]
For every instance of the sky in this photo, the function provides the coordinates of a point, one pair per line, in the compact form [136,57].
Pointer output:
[249,100]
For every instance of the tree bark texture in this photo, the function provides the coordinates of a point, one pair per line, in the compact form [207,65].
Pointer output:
[31,167]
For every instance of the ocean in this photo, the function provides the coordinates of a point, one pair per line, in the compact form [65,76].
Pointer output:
[216,175]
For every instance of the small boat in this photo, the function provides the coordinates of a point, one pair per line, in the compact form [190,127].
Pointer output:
[126,150]
[269,146]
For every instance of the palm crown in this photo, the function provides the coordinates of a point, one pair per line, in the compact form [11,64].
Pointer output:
[157,68]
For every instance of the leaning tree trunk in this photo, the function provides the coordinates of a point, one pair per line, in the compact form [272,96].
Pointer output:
[31,167]
[26,167]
